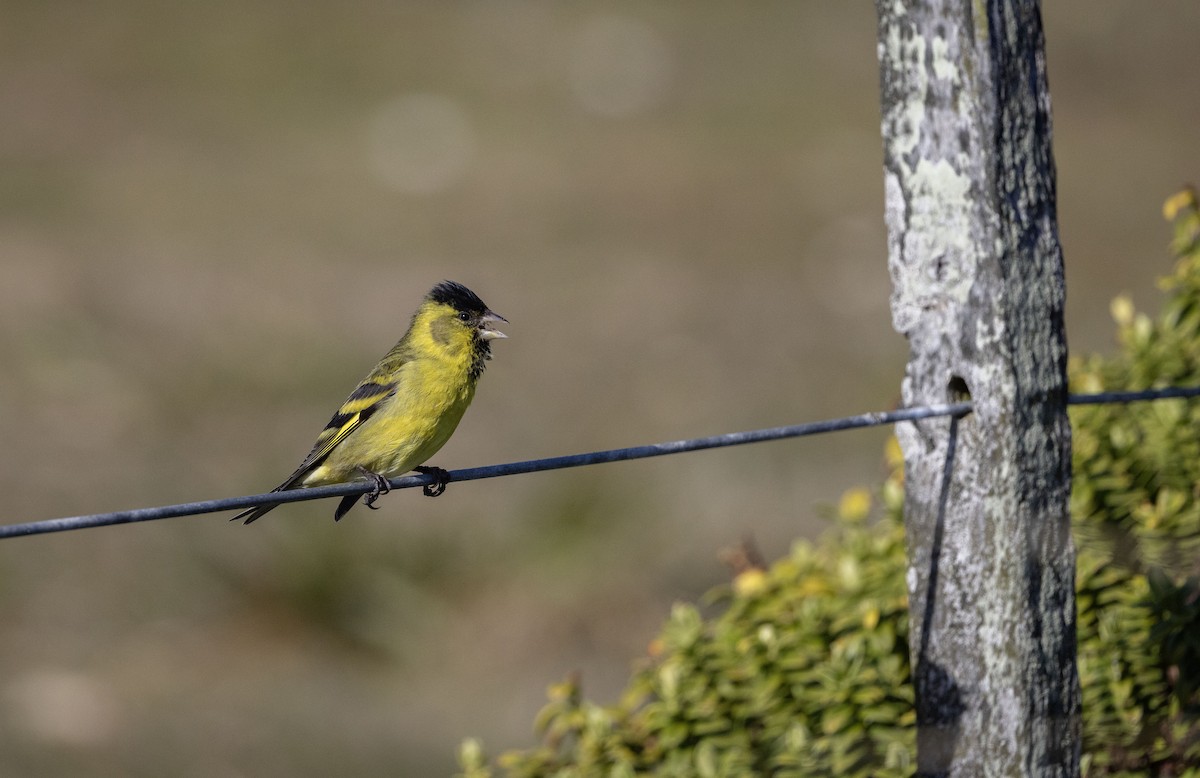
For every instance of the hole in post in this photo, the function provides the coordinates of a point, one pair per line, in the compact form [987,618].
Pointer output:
[958,390]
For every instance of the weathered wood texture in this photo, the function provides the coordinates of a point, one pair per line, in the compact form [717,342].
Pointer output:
[978,290]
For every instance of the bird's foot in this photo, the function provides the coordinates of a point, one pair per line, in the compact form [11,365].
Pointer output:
[441,478]
[380,487]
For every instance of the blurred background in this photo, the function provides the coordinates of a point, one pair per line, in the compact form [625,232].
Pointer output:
[215,217]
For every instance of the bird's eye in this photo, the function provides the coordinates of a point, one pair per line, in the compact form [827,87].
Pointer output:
[464,316]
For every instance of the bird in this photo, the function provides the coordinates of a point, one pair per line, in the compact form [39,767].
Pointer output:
[407,407]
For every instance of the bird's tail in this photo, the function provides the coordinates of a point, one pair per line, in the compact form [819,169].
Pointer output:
[255,513]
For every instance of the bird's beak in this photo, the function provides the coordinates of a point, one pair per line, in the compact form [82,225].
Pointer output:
[486,330]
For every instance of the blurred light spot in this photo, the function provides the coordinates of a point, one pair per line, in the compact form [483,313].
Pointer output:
[1122,310]
[62,706]
[855,505]
[619,66]
[421,143]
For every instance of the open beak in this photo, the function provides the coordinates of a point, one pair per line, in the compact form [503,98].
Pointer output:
[486,329]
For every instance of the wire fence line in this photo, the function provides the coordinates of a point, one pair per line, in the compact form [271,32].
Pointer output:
[557,463]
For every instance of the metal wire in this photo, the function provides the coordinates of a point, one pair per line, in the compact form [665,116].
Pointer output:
[556,463]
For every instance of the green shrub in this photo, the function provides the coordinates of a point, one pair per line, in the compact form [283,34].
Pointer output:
[806,670]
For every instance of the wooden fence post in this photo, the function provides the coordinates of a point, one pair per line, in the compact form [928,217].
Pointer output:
[978,290]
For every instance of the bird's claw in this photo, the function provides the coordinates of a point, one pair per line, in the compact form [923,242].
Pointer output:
[441,478]
[380,487]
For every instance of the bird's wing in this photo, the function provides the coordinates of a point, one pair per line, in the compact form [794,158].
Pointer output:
[367,398]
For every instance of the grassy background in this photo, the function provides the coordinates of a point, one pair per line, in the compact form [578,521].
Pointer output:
[215,217]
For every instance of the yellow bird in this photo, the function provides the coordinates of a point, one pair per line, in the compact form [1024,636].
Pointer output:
[406,409]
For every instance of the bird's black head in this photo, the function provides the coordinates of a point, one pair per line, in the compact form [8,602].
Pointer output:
[458,297]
